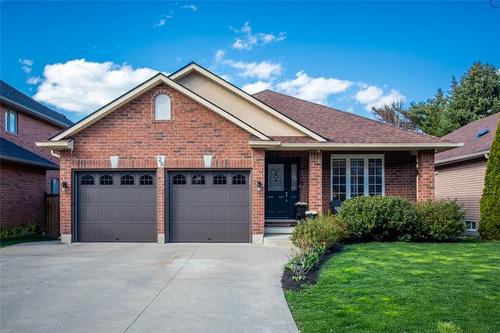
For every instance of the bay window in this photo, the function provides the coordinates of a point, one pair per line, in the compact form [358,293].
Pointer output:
[356,175]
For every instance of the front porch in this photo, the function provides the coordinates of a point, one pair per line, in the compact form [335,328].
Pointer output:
[321,178]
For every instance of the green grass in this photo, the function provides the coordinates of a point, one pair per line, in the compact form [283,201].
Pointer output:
[404,287]
[35,238]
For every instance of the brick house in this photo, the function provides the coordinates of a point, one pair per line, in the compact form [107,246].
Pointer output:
[191,158]
[27,171]
[460,172]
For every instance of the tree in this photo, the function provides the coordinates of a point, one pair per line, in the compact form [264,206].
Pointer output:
[489,227]
[394,114]
[429,116]
[475,96]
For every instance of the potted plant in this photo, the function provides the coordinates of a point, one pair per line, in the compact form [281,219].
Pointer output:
[300,209]
[311,214]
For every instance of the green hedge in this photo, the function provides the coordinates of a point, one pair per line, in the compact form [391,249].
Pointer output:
[380,218]
[489,226]
[19,231]
[393,218]
[325,230]
[441,220]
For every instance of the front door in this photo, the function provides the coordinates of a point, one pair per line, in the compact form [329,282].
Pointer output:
[282,188]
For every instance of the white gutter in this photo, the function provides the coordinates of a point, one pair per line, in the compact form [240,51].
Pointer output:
[278,145]
[56,145]
[483,153]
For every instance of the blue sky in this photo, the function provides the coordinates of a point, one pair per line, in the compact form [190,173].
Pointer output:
[75,56]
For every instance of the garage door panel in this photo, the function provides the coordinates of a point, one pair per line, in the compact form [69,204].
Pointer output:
[115,212]
[209,212]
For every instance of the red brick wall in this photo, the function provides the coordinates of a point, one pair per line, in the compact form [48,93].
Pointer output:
[23,187]
[425,181]
[316,181]
[22,191]
[30,130]
[132,133]
[400,174]
[258,195]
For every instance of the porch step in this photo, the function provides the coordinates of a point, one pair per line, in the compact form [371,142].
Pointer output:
[278,230]
[280,222]
[277,240]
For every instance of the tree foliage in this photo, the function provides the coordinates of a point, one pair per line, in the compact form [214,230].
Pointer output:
[394,114]
[489,226]
[474,96]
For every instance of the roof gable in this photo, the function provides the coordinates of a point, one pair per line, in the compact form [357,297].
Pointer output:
[270,121]
[155,80]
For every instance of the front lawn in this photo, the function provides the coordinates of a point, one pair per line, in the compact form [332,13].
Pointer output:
[404,287]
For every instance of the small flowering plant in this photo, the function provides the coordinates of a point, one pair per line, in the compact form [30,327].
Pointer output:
[301,204]
[311,214]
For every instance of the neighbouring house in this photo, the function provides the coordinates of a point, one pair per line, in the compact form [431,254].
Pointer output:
[189,157]
[460,172]
[27,172]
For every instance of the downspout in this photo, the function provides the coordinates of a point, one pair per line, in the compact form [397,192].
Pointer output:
[54,154]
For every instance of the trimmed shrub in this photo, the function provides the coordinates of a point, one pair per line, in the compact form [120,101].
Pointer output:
[19,231]
[441,220]
[489,226]
[324,230]
[380,218]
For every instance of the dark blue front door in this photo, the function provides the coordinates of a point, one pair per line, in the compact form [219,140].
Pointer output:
[282,188]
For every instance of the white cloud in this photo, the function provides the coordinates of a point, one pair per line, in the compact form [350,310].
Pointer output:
[219,55]
[248,40]
[191,7]
[257,86]
[369,94]
[393,96]
[34,80]
[164,18]
[26,65]
[261,70]
[315,89]
[82,86]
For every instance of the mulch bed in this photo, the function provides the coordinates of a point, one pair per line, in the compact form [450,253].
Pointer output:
[312,276]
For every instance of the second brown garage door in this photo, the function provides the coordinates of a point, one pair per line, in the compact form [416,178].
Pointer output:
[209,206]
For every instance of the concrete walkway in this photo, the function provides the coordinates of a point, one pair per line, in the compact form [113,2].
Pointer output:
[103,287]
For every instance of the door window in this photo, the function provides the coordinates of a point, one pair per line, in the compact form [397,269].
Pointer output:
[275,177]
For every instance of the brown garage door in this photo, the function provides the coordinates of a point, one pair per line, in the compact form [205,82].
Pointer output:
[209,206]
[116,206]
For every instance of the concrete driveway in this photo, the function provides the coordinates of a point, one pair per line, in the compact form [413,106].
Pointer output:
[103,287]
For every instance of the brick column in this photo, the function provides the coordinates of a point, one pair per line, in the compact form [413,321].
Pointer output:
[160,204]
[258,175]
[315,181]
[65,207]
[425,178]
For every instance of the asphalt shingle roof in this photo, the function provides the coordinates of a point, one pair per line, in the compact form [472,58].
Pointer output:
[339,126]
[9,93]
[12,152]
[468,135]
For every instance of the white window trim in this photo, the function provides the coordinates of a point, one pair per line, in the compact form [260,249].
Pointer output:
[7,121]
[348,158]
[472,221]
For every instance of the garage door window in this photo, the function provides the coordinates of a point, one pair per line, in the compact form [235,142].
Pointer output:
[146,180]
[239,180]
[87,180]
[179,180]
[127,180]
[220,180]
[198,180]
[106,180]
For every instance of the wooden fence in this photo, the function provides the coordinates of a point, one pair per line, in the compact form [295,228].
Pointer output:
[52,215]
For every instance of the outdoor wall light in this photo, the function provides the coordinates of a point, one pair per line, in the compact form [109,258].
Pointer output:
[259,186]
[64,186]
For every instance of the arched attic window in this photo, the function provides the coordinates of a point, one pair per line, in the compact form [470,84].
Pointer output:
[162,107]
